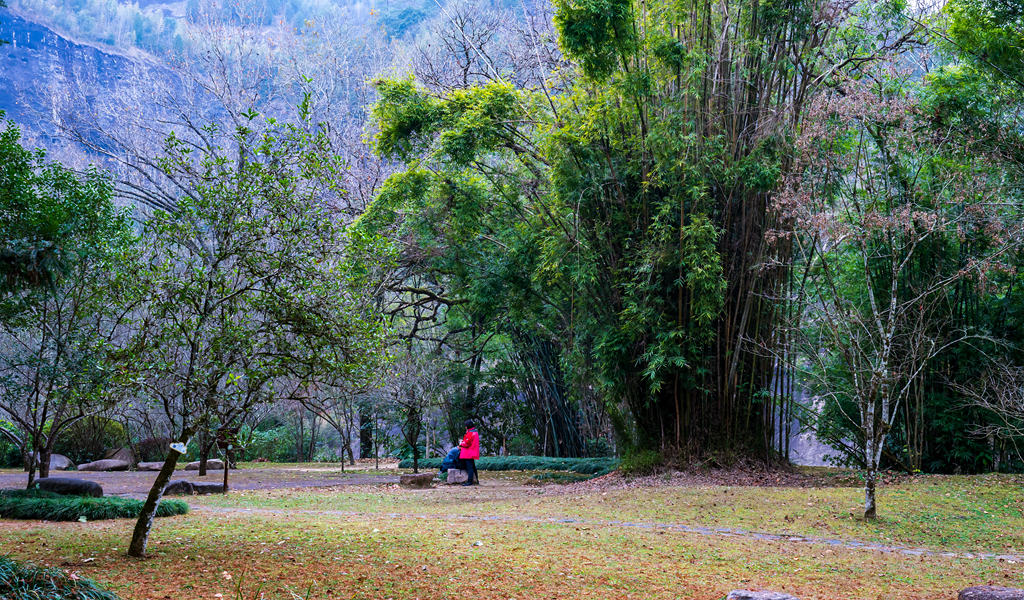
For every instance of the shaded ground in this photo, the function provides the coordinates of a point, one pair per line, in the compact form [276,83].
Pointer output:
[136,484]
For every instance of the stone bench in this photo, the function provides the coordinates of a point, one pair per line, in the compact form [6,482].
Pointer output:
[68,486]
[416,480]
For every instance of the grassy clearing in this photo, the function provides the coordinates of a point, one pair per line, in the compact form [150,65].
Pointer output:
[357,557]
[431,557]
[974,514]
[48,506]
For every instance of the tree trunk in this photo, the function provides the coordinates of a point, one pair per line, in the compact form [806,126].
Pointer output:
[144,524]
[33,461]
[870,477]
[44,462]
[204,454]
[365,432]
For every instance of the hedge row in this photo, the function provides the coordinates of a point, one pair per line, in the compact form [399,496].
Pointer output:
[47,506]
[585,466]
[27,582]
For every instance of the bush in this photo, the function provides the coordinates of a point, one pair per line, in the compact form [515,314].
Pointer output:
[153,449]
[27,582]
[88,439]
[585,466]
[640,462]
[47,506]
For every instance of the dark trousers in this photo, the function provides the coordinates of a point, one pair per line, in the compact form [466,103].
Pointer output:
[470,466]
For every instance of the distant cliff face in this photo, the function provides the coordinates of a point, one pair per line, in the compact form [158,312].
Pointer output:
[41,73]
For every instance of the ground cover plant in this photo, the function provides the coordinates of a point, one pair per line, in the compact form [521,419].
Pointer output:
[48,506]
[27,582]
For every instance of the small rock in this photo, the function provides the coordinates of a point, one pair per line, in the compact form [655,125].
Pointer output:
[416,480]
[59,462]
[107,464]
[457,476]
[213,464]
[68,486]
[750,595]
[478,543]
[991,592]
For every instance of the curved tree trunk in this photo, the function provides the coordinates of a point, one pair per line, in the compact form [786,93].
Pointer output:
[140,536]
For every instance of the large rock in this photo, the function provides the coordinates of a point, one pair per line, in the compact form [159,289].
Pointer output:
[416,480]
[107,464]
[124,454]
[213,464]
[149,466]
[59,462]
[192,488]
[70,487]
[991,592]
[750,595]
[457,476]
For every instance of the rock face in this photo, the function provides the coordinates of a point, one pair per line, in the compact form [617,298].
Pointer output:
[991,592]
[457,476]
[59,462]
[749,595]
[213,464]
[149,466]
[417,480]
[192,488]
[70,487]
[107,464]
[124,454]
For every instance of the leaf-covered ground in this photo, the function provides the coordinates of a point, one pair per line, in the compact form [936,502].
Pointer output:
[404,544]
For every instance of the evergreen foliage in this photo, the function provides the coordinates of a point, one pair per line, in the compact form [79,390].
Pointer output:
[585,466]
[48,506]
[20,581]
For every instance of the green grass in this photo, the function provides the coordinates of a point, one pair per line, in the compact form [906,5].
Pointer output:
[48,506]
[584,466]
[27,582]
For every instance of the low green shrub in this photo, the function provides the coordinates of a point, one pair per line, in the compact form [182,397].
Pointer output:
[640,462]
[19,581]
[585,466]
[48,506]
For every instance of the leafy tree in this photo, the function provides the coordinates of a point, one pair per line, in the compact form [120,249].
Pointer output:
[253,290]
[66,251]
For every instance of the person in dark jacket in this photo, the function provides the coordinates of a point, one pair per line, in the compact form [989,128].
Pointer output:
[470,451]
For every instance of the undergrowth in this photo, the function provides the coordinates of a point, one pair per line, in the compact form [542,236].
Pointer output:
[48,506]
[19,581]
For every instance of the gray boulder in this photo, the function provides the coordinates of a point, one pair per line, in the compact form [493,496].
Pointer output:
[124,454]
[59,462]
[457,476]
[107,464]
[70,487]
[213,464]
[417,480]
[192,488]
[149,466]
[991,592]
[750,595]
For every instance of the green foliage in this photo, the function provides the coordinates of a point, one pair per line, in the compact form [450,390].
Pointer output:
[641,462]
[19,581]
[584,466]
[87,439]
[47,506]
[596,33]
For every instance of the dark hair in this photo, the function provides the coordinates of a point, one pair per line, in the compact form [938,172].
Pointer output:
[468,423]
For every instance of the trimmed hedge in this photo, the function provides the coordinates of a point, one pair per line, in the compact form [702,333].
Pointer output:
[585,466]
[47,506]
[27,582]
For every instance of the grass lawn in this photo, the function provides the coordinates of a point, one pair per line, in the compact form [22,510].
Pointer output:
[404,544]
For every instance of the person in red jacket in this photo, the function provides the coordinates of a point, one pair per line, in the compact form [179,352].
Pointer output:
[470,452]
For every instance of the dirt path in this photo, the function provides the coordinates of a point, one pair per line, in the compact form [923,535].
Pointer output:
[644,525]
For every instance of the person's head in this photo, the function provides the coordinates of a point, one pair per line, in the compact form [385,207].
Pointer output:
[469,423]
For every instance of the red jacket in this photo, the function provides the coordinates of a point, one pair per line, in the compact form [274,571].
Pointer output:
[470,445]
